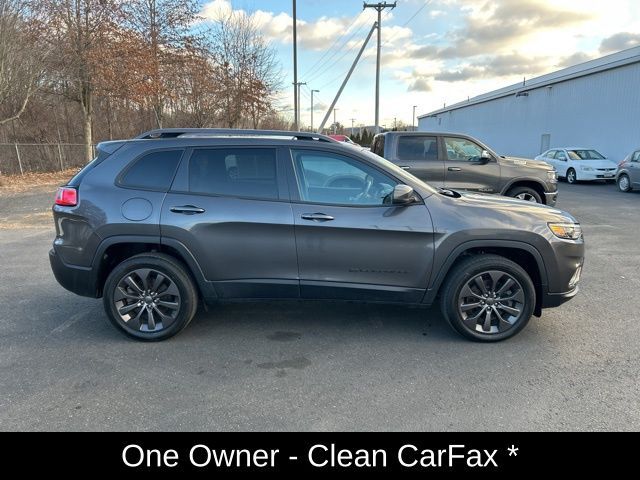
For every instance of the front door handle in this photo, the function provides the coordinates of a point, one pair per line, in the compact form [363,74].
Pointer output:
[405,167]
[187,209]
[454,169]
[317,217]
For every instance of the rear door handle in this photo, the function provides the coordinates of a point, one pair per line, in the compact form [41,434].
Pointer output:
[187,209]
[454,169]
[318,217]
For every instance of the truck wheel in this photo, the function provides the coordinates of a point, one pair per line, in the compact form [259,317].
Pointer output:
[525,193]
[150,297]
[488,298]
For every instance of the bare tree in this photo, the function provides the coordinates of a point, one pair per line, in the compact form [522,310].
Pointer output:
[78,29]
[22,58]
[247,72]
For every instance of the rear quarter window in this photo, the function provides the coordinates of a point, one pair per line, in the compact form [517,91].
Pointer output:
[153,171]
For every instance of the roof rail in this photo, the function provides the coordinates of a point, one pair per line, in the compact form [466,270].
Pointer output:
[230,132]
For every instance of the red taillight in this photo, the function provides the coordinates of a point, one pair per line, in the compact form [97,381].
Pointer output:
[67,197]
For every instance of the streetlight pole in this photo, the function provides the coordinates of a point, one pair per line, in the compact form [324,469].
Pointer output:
[317,91]
[413,119]
[335,126]
[295,68]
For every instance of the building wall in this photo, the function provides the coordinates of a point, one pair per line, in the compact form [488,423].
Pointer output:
[601,111]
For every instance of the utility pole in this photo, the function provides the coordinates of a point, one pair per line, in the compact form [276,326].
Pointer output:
[317,91]
[352,127]
[296,86]
[295,68]
[413,121]
[344,82]
[335,127]
[379,7]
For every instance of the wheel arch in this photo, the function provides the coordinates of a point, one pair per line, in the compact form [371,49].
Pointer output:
[537,185]
[525,255]
[114,250]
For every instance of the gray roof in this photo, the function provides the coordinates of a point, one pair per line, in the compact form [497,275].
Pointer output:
[608,62]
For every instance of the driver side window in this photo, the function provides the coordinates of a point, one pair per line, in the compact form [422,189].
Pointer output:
[461,149]
[329,178]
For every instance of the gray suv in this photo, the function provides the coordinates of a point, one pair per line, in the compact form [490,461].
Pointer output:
[156,224]
[628,173]
[460,162]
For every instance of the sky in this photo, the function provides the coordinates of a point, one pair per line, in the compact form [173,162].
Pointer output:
[435,52]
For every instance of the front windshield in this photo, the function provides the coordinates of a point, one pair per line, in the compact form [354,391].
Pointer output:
[396,170]
[584,155]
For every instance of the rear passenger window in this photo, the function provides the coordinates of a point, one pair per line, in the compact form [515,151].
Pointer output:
[153,171]
[240,172]
[417,147]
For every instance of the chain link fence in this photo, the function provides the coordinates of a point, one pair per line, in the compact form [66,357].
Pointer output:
[21,158]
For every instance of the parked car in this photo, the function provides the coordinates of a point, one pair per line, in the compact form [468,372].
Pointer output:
[155,224]
[342,138]
[461,162]
[579,164]
[628,173]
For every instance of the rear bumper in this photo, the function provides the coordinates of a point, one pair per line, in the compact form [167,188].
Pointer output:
[79,280]
[550,198]
[551,300]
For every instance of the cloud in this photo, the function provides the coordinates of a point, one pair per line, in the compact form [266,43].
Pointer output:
[419,85]
[619,41]
[575,59]
[497,66]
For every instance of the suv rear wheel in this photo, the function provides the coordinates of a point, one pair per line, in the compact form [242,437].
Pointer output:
[488,298]
[150,297]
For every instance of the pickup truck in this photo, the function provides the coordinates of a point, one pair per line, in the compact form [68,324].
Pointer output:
[460,162]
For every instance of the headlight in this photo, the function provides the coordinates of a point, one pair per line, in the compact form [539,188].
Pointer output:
[552,175]
[567,231]
[586,169]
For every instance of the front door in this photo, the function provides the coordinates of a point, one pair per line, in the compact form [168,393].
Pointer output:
[230,207]
[351,242]
[466,170]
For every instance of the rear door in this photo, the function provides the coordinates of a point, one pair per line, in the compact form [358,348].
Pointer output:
[419,155]
[229,206]
[351,243]
[465,169]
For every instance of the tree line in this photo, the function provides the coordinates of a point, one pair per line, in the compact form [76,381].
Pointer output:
[83,71]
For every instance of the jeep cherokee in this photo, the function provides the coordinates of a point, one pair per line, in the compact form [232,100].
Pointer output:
[157,223]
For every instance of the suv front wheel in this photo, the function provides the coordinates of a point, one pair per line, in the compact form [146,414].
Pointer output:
[150,297]
[488,298]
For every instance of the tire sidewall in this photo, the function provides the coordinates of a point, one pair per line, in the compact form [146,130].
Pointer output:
[628,183]
[460,278]
[575,176]
[531,191]
[180,279]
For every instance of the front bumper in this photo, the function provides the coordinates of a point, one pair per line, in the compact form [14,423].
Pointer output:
[550,198]
[552,300]
[595,175]
[79,280]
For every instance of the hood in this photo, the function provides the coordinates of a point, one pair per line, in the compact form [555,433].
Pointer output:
[524,163]
[515,206]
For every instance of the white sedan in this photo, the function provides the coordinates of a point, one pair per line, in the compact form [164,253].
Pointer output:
[580,164]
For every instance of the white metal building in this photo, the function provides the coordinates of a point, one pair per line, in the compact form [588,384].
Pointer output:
[595,104]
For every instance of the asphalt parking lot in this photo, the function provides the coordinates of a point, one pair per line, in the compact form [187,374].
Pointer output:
[322,366]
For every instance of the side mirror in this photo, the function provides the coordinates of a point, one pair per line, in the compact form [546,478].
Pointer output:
[484,158]
[403,195]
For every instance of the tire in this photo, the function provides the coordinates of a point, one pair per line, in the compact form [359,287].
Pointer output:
[624,183]
[486,268]
[150,297]
[572,178]
[525,193]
